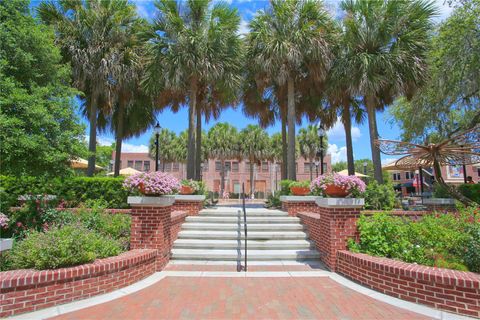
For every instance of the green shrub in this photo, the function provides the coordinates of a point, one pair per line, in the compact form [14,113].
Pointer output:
[285,187]
[300,184]
[66,246]
[439,191]
[442,240]
[74,190]
[379,196]
[273,201]
[471,191]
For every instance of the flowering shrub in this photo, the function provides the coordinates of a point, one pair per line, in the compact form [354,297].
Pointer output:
[351,184]
[152,183]
[226,195]
[4,221]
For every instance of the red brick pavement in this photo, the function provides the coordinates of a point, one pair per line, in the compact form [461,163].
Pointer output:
[234,268]
[244,298]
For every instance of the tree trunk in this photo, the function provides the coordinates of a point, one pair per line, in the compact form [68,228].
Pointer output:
[252,184]
[118,140]
[198,147]
[372,125]
[291,171]
[347,124]
[283,168]
[92,142]
[311,169]
[191,130]
[222,178]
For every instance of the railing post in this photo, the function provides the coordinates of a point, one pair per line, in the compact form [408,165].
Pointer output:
[244,223]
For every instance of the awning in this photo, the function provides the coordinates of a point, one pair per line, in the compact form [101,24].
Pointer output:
[80,163]
[345,173]
[125,172]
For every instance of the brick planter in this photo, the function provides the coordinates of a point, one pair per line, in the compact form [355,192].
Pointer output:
[334,221]
[192,204]
[29,290]
[295,204]
[445,289]
[155,225]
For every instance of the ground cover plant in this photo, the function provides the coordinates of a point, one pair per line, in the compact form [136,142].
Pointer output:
[47,238]
[444,240]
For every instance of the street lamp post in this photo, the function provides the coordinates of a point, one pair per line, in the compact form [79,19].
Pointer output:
[156,129]
[321,134]
[202,165]
[365,168]
[316,165]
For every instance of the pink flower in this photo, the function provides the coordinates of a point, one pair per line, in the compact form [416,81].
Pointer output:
[158,183]
[349,183]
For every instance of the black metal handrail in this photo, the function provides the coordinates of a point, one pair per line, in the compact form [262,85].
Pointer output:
[244,222]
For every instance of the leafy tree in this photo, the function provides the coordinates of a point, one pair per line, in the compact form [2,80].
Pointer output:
[40,132]
[222,145]
[104,155]
[385,56]
[194,53]
[254,146]
[309,143]
[451,99]
[288,41]
[91,34]
[167,147]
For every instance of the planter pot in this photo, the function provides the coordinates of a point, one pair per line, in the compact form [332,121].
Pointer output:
[186,190]
[336,191]
[141,188]
[300,191]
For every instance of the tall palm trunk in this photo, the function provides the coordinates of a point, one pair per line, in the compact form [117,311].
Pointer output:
[292,175]
[118,140]
[92,142]
[311,169]
[283,168]
[372,126]
[198,147]
[191,131]
[222,178]
[252,183]
[347,124]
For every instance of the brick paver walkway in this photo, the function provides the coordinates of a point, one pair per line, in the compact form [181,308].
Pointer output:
[244,298]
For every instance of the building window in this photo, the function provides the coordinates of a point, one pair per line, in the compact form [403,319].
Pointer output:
[168,167]
[146,166]
[409,175]
[234,166]
[218,166]
[265,166]
[227,166]
[130,163]
[176,167]
[306,167]
[205,166]
[478,172]
[138,165]
[396,176]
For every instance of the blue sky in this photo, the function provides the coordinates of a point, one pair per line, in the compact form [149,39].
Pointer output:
[178,122]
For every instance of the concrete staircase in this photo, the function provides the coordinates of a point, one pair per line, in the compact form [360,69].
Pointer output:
[217,235]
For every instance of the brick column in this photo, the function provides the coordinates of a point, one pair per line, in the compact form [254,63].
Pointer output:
[192,204]
[295,204]
[152,226]
[338,222]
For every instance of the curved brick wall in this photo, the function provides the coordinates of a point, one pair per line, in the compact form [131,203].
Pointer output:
[30,290]
[450,290]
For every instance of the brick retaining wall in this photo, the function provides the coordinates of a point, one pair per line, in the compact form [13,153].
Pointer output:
[293,208]
[191,207]
[29,290]
[449,290]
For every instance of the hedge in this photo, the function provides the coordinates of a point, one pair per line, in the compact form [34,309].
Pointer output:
[471,191]
[73,190]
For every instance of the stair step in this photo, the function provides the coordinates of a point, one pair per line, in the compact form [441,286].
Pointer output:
[232,219]
[239,213]
[240,244]
[196,254]
[236,226]
[233,235]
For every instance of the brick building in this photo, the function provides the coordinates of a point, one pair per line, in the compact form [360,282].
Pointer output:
[408,181]
[266,175]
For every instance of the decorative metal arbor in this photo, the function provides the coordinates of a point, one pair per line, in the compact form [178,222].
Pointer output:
[460,149]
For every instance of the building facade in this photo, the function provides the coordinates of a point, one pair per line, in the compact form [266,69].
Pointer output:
[266,175]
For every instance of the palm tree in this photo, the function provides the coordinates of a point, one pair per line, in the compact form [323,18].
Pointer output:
[309,142]
[287,42]
[192,47]
[386,46]
[91,34]
[254,145]
[222,145]
[168,151]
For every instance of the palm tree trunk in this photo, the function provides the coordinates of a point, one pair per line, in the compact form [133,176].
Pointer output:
[92,142]
[118,140]
[222,178]
[347,124]
[198,147]
[252,184]
[191,131]
[283,168]
[311,169]
[372,125]
[292,175]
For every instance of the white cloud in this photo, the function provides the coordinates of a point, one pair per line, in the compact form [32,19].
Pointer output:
[388,160]
[243,28]
[337,153]
[126,147]
[337,132]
